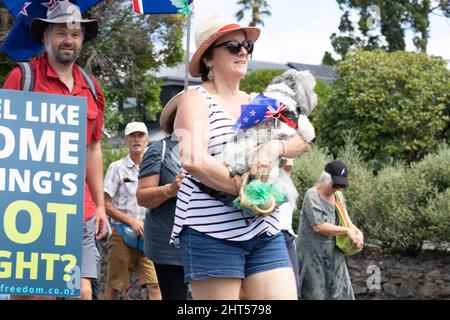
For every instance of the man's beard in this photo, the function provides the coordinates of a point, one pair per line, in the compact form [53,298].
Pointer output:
[65,59]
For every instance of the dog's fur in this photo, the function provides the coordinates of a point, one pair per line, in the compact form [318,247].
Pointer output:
[296,90]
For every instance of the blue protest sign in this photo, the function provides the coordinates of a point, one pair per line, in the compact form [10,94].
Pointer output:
[42,174]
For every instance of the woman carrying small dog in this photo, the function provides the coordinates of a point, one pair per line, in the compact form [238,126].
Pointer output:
[222,248]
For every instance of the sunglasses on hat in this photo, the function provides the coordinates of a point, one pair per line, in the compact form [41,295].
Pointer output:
[338,186]
[234,46]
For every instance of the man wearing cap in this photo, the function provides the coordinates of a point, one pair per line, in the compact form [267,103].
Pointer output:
[323,268]
[120,187]
[63,33]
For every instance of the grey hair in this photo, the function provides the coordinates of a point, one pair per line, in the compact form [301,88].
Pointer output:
[48,28]
[324,178]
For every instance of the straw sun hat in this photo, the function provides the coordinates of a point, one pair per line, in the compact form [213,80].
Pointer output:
[206,34]
[209,31]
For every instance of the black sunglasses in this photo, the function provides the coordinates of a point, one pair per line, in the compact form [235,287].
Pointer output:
[338,186]
[234,46]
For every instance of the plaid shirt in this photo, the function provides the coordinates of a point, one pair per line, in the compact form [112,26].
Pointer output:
[120,183]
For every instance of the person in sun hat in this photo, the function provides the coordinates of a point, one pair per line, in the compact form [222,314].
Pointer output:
[323,269]
[63,33]
[249,251]
[64,12]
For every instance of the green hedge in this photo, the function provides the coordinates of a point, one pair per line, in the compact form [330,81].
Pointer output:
[258,80]
[438,214]
[400,208]
[111,154]
[398,103]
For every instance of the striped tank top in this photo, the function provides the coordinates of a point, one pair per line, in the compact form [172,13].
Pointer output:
[206,214]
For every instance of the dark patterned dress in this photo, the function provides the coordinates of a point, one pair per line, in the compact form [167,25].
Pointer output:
[323,269]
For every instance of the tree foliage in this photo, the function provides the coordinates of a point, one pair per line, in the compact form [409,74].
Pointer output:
[383,24]
[257,8]
[398,105]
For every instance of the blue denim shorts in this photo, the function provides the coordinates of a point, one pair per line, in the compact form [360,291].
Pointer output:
[205,256]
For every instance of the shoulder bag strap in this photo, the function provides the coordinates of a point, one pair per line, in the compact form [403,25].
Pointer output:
[163,154]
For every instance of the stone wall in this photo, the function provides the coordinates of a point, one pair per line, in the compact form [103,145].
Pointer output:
[379,275]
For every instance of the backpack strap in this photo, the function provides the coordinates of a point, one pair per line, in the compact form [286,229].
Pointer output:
[28,79]
[89,82]
[27,82]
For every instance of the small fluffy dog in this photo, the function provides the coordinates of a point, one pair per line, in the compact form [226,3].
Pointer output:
[279,113]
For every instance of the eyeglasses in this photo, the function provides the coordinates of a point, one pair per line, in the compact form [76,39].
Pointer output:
[338,186]
[234,46]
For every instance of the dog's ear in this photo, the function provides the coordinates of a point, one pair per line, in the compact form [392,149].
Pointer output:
[301,84]
[288,77]
[305,84]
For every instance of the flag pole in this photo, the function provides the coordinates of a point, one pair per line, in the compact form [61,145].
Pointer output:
[188,41]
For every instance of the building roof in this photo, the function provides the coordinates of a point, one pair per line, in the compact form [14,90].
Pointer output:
[175,75]
[256,64]
[322,72]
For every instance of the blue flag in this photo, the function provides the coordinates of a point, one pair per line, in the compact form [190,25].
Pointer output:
[262,108]
[160,6]
[19,45]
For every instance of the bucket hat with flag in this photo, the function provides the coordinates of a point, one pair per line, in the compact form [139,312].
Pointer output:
[64,12]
